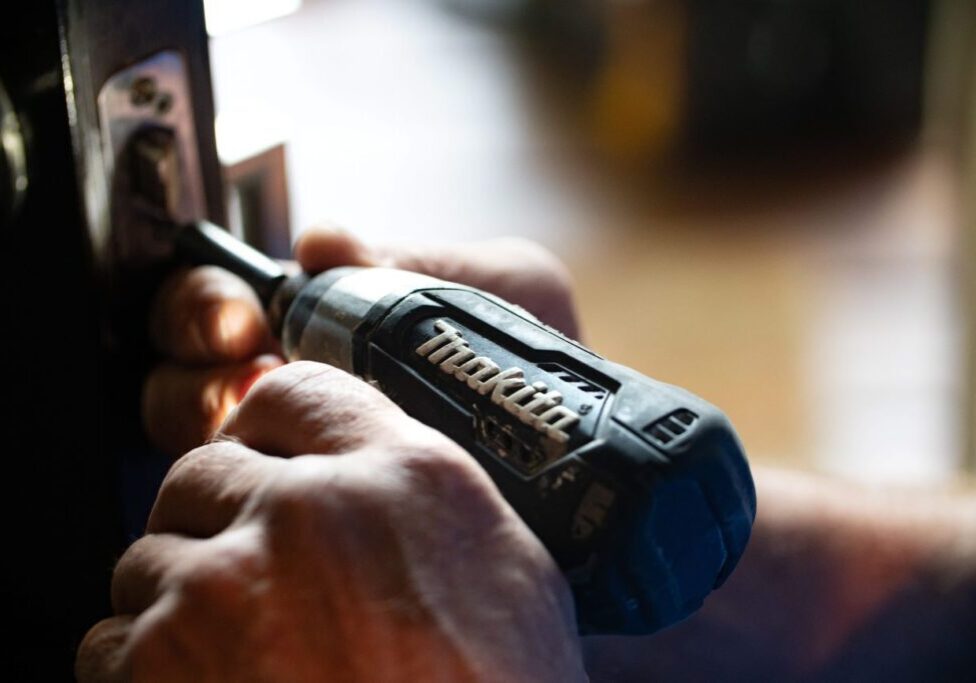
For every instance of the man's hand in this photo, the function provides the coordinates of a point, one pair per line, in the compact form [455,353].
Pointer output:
[389,554]
[371,548]
[211,326]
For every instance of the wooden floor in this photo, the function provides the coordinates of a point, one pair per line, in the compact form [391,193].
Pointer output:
[815,301]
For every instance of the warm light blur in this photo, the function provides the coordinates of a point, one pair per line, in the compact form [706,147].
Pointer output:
[752,209]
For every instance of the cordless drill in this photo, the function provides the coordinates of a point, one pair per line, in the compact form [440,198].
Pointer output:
[639,490]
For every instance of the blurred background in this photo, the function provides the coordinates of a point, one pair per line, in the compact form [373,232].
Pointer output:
[768,202]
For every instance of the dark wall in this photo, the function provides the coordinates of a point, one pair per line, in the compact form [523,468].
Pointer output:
[79,477]
[59,514]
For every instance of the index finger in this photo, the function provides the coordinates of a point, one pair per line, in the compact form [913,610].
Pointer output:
[306,407]
[207,315]
[515,269]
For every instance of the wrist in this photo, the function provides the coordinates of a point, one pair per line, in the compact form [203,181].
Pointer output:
[871,579]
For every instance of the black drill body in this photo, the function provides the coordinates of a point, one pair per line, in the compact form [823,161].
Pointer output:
[640,490]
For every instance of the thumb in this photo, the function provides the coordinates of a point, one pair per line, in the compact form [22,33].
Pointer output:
[515,269]
[321,248]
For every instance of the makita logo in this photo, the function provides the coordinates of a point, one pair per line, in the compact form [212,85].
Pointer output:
[533,404]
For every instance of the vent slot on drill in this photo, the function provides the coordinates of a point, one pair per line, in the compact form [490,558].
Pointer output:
[564,375]
[520,454]
[671,426]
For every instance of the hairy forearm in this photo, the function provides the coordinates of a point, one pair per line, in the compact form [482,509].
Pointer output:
[837,581]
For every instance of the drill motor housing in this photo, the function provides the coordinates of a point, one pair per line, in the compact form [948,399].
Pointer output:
[639,489]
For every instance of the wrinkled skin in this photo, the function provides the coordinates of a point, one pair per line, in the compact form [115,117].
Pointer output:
[323,534]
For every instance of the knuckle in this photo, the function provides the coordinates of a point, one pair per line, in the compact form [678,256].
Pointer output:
[285,379]
[304,381]
[155,643]
[439,468]
[208,585]
[436,455]
[303,496]
[100,651]
[184,467]
[289,497]
[267,393]
[120,587]
[224,585]
[301,515]
[325,406]
[222,581]
[205,481]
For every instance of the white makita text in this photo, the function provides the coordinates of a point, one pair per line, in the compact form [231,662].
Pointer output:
[533,404]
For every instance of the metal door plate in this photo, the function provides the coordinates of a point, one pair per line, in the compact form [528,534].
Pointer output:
[153,93]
